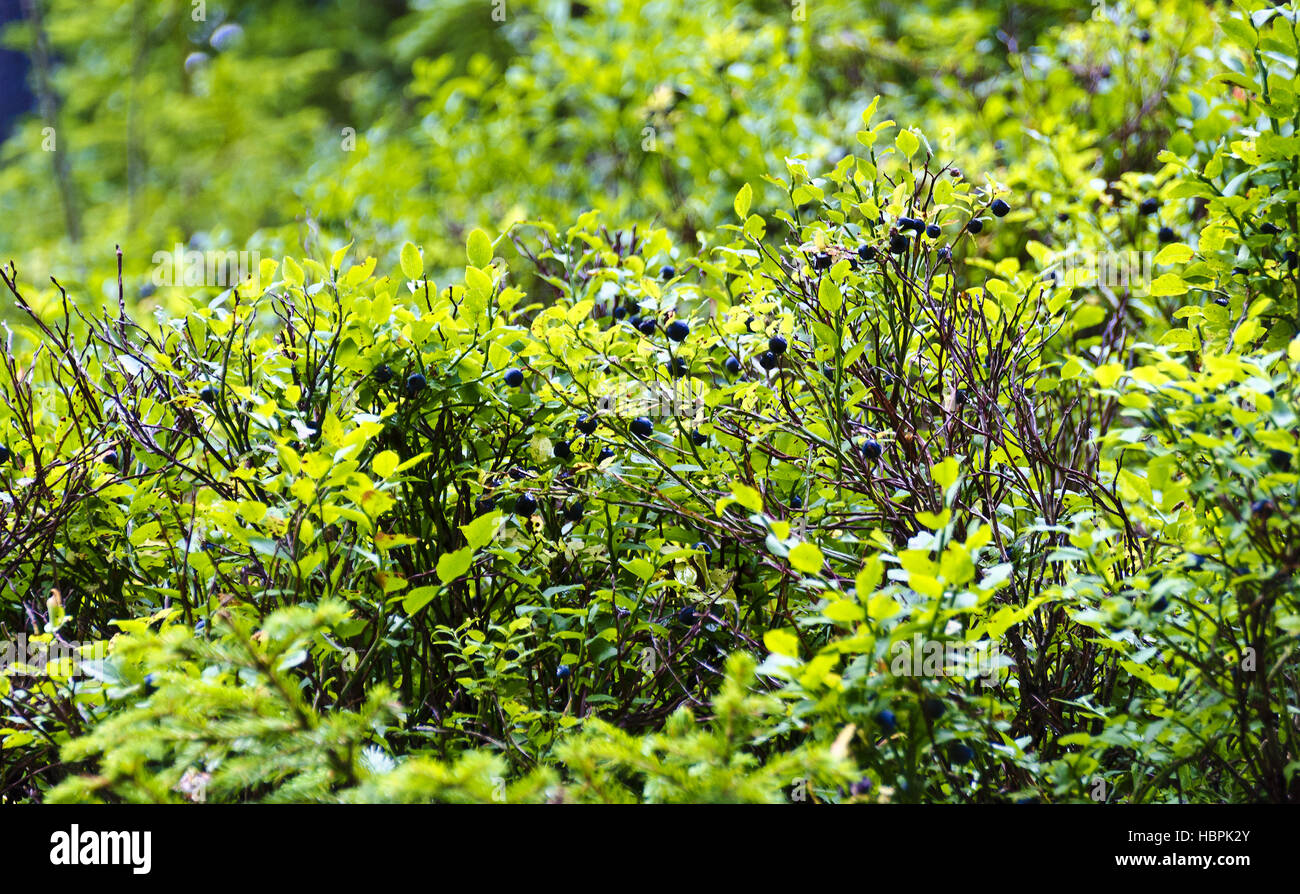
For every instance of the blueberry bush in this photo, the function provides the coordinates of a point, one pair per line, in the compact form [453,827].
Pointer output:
[722,403]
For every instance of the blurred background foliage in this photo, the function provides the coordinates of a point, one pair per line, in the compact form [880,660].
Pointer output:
[229,133]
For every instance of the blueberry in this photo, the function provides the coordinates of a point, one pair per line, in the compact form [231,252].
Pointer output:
[975,226]
[777,345]
[668,271]
[383,374]
[999,208]
[796,502]
[150,684]
[1222,302]
[208,395]
[911,223]
[1291,259]
[768,360]
[1263,508]
[587,424]
[898,243]
[961,397]
[1144,36]
[647,326]
[861,787]
[620,312]
[563,671]
[699,438]
[732,365]
[886,721]
[960,753]
[525,504]
[514,377]
[642,427]
[573,512]
[635,321]
[563,450]
[678,330]
[484,506]
[1149,206]
[871,450]
[945,254]
[1166,235]
[686,615]
[1271,229]
[1062,216]
[4,454]
[933,708]
[415,383]
[821,260]
[1160,604]
[510,655]
[1279,458]
[678,367]
[867,252]
[111,458]
[933,231]
[605,453]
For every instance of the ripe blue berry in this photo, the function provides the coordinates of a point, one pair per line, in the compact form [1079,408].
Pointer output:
[1149,206]
[776,344]
[208,395]
[514,377]
[871,450]
[563,671]
[383,374]
[642,427]
[999,208]
[960,753]
[732,365]
[415,383]
[587,424]
[975,226]
[563,450]
[647,326]
[933,231]
[573,512]
[678,330]
[667,272]
[605,453]
[898,243]
[768,360]
[886,721]
[821,261]
[525,504]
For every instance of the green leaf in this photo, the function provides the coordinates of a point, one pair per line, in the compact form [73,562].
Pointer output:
[418,599]
[384,464]
[481,530]
[782,642]
[412,263]
[907,143]
[743,200]
[453,565]
[479,248]
[806,557]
